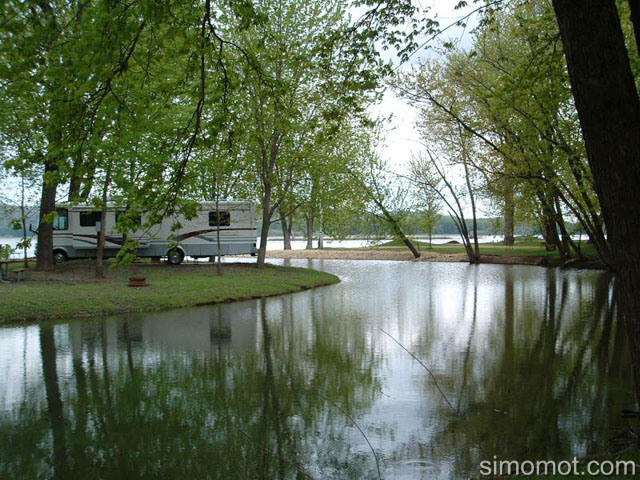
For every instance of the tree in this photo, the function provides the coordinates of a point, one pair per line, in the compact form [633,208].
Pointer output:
[60,63]
[609,110]
[429,174]
[431,204]
[20,223]
[511,93]
[388,195]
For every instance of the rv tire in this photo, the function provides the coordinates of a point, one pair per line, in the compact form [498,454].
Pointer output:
[175,256]
[59,256]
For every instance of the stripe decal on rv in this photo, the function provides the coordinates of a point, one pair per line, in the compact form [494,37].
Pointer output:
[116,240]
[195,233]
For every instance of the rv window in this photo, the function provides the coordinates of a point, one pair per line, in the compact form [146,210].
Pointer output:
[224,220]
[89,219]
[61,222]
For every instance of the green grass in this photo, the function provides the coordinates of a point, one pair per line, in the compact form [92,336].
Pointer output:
[72,291]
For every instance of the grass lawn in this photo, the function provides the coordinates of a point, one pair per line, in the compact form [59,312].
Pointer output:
[72,290]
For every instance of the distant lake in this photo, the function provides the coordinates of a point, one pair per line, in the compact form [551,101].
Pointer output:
[13,241]
[276,243]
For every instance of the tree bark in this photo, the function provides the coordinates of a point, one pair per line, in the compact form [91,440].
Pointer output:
[550,232]
[509,213]
[609,111]
[309,231]
[321,233]
[23,221]
[44,257]
[218,242]
[286,230]
[74,184]
[266,223]
[103,226]
[476,247]
[567,242]
[397,229]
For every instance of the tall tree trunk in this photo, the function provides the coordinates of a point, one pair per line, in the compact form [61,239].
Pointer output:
[23,221]
[567,242]
[266,223]
[550,232]
[103,226]
[85,191]
[321,233]
[309,230]
[476,247]
[286,230]
[289,221]
[509,214]
[44,257]
[397,229]
[609,111]
[218,242]
[75,183]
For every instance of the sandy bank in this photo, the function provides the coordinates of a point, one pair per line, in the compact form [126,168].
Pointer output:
[378,254]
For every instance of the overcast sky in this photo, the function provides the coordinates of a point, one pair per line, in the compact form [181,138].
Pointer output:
[401,138]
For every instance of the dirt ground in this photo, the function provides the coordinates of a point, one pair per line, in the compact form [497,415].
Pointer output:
[367,255]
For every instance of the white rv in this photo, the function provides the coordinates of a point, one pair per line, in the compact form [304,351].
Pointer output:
[75,232]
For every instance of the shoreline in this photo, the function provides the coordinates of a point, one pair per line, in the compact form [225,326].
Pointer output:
[406,256]
[72,292]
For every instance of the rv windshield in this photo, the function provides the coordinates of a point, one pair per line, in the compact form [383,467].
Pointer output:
[61,222]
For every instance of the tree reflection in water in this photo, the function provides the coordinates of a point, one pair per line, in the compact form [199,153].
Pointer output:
[546,376]
[219,415]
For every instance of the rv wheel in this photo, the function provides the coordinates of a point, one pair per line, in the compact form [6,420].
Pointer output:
[59,257]
[175,256]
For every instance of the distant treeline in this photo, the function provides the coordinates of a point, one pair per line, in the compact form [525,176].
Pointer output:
[372,226]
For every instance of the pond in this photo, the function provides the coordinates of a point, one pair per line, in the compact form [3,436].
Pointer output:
[403,370]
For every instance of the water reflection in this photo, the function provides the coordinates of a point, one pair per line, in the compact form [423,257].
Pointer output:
[518,362]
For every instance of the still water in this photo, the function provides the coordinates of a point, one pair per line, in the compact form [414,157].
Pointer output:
[514,361]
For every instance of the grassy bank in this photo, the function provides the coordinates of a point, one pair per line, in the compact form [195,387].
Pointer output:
[72,290]
[523,246]
[526,251]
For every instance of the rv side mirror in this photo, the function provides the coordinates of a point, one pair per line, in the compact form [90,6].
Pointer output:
[98,226]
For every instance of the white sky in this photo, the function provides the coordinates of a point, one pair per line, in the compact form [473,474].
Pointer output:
[401,137]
